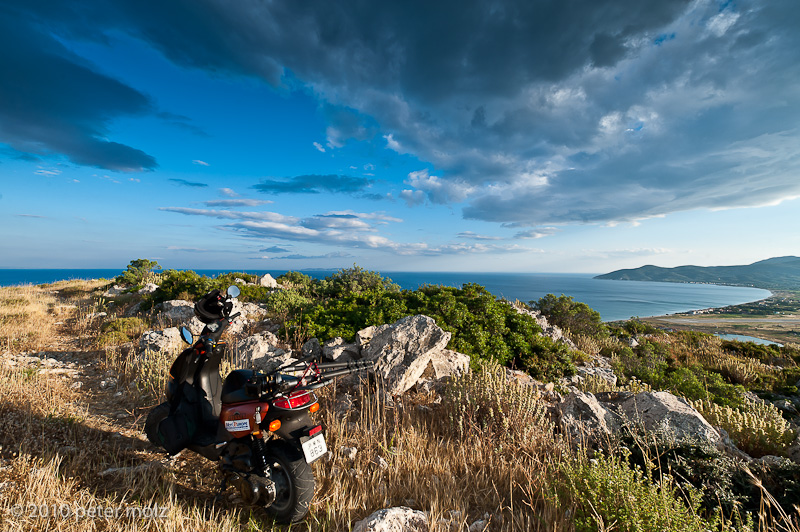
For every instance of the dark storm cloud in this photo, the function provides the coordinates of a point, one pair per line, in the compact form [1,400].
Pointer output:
[313,184]
[53,101]
[528,112]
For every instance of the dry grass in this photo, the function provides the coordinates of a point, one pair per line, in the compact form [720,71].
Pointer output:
[58,444]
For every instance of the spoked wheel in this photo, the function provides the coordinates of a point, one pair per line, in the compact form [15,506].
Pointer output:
[155,417]
[294,482]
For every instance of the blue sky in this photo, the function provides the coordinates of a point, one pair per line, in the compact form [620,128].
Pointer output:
[526,136]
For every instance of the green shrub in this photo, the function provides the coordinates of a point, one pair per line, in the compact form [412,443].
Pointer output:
[692,465]
[298,282]
[483,401]
[655,364]
[756,428]
[571,315]
[354,281]
[607,493]
[138,272]
[120,331]
[283,303]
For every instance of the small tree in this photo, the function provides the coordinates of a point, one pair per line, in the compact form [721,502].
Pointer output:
[571,315]
[138,271]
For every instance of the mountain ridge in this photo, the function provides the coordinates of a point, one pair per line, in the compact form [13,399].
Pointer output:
[776,273]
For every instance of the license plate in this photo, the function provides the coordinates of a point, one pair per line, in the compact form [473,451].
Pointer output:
[314,447]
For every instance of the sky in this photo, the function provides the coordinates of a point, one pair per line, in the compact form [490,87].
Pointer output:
[513,135]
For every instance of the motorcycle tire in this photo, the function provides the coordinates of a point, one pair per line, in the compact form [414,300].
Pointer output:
[294,482]
[154,418]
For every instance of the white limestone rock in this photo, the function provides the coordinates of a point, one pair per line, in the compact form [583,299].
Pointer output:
[397,519]
[402,351]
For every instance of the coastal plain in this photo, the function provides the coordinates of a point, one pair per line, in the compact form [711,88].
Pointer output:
[776,318]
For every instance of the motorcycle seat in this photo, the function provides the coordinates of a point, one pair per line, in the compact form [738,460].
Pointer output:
[233,389]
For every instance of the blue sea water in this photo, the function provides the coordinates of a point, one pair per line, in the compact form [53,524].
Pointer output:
[614,300]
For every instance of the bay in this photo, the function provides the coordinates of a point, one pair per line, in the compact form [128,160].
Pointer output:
[614,300]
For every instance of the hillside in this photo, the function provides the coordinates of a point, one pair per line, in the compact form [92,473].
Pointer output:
[779,273]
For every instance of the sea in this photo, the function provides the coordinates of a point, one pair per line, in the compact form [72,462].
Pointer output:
[614,300]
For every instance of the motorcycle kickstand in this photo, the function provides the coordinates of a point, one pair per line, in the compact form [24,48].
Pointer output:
[222,487]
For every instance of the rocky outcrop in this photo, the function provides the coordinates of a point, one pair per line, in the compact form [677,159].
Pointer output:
[338,350]
[606,374]
[166,341]
[662,411]
[311,348]
[582,414]
[595,416]
[149,288]
[402,351]
[176,311]
[262,352]
[268,281]
[448,363]
[114,291]
[397,519]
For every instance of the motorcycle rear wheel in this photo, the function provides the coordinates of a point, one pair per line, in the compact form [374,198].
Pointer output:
[294,482]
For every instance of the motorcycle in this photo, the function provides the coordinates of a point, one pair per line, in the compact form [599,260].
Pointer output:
[255,424]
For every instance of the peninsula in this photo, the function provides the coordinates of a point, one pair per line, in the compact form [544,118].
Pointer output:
[776,318]
[778,273]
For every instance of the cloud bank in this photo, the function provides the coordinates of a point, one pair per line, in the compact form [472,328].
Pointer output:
[528,112]
[346,229]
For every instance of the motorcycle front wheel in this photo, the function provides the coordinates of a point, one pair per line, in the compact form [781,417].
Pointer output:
[294,482]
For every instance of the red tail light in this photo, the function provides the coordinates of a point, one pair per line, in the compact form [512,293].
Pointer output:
[294,400]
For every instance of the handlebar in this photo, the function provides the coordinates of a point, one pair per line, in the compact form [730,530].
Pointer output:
[324,373]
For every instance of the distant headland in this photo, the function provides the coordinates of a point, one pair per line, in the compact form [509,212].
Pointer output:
[778,273]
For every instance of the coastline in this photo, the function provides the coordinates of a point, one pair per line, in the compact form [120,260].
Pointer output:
[775,318]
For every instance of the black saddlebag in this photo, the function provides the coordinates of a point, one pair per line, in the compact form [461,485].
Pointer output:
[178,429]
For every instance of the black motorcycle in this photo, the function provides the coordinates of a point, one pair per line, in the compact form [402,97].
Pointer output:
[256,425]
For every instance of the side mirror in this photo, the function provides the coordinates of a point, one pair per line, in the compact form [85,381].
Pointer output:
[186,335]
[233,291]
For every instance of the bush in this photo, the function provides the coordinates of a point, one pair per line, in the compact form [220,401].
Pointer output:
[138,272]
[756,428]
[120,331]
[607,492]
[693,466]
[354,281]
[570,315]
[483,401]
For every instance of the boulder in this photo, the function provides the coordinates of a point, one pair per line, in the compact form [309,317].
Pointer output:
[176,310]
[195,325]
[261,352]
[607,374]
[397,519]
[114,291]
[149,288]
[672,414]
[402,351]
[311,347]
[448,363]
[248,309]
[605,413]
[338,350]
[165,341]
[268,281]
[365,335]
[581,414]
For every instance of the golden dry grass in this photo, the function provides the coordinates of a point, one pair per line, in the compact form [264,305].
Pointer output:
[59,443]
